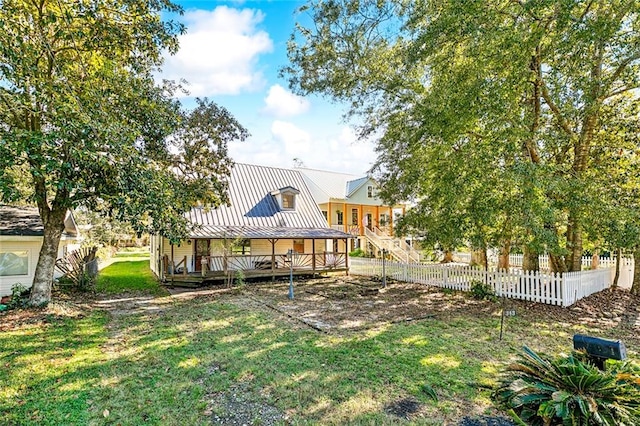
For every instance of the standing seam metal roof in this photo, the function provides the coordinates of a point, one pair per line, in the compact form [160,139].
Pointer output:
[254,211]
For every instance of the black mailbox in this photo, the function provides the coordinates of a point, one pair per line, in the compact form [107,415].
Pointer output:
[600,348]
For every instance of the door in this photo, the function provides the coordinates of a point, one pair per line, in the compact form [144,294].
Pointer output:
[200,250]
[369,221]
[298,246]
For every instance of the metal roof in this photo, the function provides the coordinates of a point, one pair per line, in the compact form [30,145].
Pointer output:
[331,184]
[25,221]
[253,210]
[219,231]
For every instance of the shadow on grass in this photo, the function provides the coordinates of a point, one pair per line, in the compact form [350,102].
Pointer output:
[166,367]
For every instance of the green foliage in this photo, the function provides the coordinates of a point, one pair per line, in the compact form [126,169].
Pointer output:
[505,120]
[570,391]
[482,291]
[358,252]
[239,280]
[19,297]
[83,122]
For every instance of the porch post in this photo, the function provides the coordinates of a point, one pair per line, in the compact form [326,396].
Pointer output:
[344,217]
[173,264]
[360,221]
[346,255]
[313,256]
[329,214]
[273,259]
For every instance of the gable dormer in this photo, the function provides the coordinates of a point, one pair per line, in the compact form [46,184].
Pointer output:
[286,198]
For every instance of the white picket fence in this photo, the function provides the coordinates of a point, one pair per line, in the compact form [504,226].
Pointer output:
[515,261]
[548,288]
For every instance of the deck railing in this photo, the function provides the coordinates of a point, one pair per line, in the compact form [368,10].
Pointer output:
[299,261]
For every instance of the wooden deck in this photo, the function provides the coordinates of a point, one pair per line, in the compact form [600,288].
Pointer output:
[218,268]
[196,279]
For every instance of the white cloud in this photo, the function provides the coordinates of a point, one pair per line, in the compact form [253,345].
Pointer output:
[218,55]
[294,141]
[282,103]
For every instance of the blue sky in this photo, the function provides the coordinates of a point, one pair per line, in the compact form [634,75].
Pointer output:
[231,54]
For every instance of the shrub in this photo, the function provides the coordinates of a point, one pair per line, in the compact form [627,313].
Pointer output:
[19,297]
[569,390]
[481,291]
[358,252]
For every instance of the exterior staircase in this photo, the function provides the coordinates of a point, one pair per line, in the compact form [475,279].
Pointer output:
[396,247]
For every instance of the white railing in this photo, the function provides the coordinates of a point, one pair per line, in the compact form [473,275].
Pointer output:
[548,288]
[397,248]
[321,261]
[387,244]
[515,260]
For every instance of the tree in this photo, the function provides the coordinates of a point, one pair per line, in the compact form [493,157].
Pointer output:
[522,89]
[81,116]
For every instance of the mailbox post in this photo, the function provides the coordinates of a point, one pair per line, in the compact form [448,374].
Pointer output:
[290,259]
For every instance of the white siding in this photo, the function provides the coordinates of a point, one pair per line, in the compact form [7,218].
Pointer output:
[179,252]
[33,247]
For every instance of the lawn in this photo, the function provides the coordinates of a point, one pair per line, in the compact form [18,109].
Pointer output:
[250,356]
[129,272]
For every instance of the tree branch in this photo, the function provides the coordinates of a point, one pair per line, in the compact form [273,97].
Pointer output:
[554,108]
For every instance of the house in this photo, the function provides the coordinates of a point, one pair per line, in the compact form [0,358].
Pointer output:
[21,235]
[271,226]
[350,204]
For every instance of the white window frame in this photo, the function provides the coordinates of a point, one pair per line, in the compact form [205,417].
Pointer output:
[28,257]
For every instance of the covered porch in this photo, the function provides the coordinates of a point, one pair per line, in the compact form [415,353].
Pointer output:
[227,253]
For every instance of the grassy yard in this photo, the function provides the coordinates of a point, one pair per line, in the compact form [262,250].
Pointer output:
[129,272]
[196,360]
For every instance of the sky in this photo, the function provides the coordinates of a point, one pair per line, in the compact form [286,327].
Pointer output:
[231,53]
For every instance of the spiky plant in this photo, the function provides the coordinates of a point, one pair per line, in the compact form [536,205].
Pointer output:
[570,391]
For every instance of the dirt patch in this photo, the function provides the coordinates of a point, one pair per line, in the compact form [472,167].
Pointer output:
[354,303]
[404,408]
[351,303]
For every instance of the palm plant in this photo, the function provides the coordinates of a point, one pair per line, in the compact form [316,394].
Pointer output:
[570,391]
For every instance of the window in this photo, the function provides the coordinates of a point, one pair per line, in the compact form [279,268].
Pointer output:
[14,262]
[340,217]
[354,216]
[324,213]
[288,201]
[242,246]
[370,191]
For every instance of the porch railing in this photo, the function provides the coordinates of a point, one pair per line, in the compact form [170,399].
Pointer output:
[319,262]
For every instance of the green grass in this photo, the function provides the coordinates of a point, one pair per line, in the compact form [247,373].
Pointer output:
[49,372]
[163,367]
[127,255]
[128,275]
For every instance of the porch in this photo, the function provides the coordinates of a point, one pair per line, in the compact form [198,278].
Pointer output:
[220,268]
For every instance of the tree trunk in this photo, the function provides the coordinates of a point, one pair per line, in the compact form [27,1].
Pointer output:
[595,259]
[53,221]
[558,265]
[448,257]
[574,244]
[503,257]
[635,287]
[617,276]
[479,257]
[530,260]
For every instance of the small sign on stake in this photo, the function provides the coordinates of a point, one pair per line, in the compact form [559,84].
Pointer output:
[510,313]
